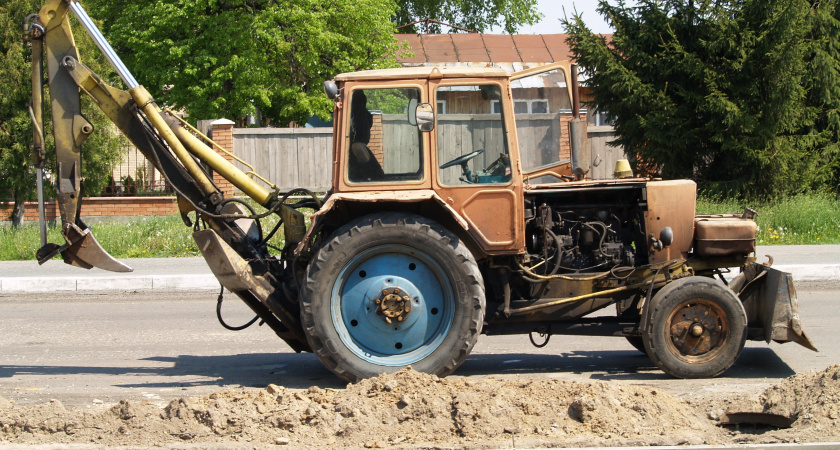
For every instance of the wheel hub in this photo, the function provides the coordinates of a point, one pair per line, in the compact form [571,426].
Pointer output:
[697,329]
[393,304]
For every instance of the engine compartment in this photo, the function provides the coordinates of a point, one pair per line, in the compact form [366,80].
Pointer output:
[585,230]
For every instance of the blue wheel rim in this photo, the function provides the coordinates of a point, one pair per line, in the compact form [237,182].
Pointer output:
[363,327]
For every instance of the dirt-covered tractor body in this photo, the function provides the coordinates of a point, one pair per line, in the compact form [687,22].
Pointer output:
[459,206]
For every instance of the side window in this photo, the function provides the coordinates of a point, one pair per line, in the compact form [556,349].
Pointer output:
[471,142]
[540,104]
[384,146]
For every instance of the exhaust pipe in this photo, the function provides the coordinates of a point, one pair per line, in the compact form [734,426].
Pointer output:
[577,132]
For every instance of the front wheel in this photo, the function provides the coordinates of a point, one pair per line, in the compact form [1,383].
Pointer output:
[391,290]
[696,329]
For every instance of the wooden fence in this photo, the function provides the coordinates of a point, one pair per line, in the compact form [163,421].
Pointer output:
[302,157]
[288,157]
[604,156]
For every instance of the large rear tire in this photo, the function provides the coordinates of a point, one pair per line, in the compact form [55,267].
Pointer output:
[391,290]
[696,329]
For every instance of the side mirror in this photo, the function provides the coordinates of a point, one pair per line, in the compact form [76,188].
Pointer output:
[412,111]
[331,89]
[424,115]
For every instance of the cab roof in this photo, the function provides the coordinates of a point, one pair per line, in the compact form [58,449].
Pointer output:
[424,72]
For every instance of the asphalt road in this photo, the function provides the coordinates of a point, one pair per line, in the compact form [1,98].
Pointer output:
[92,348]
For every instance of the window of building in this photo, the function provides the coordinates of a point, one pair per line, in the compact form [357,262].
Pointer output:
[441,106]
[534,106]
[538,101]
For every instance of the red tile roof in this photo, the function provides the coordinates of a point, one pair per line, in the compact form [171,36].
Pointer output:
[484,48]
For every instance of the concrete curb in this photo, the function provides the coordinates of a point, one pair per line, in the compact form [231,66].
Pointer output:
[115,283]
[801,272]
[812,272]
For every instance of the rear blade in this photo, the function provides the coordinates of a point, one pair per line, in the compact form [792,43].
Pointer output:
[84,251]
[771,305]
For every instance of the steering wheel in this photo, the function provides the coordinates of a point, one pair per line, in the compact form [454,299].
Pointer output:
[462,159]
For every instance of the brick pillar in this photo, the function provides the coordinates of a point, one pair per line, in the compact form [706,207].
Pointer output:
[565,137]
[376,145]
[223,135]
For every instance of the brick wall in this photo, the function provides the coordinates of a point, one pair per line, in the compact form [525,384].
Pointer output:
[565,138]
[100,207]
[223,135]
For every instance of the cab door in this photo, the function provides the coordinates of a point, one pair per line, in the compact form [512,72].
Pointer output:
[473,160]
[542,110]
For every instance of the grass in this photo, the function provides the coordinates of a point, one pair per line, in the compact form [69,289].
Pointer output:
[803,219]
[149,237]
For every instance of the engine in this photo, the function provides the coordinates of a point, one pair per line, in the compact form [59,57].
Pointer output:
[566,240]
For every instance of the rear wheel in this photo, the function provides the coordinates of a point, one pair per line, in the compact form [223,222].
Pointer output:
[697,328]
[392,290]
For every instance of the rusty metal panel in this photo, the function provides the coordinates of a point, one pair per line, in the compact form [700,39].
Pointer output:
[494,225]
[532,48]
[671,204]
[415,46]
[724,235]
[439,48]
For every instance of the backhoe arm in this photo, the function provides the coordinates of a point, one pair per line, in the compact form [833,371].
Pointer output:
[232,241]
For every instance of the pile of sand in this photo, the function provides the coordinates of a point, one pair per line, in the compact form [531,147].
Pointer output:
[414,410]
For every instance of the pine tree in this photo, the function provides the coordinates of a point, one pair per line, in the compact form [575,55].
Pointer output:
[733,94]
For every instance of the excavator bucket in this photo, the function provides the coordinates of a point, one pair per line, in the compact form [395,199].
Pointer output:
[51,32]
[81,250]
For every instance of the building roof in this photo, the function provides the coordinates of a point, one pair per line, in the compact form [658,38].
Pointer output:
[421,72]
[484,48]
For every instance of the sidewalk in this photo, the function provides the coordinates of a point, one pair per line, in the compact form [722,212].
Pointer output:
[805,262]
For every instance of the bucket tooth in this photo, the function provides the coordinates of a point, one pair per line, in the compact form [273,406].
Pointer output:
[82,250]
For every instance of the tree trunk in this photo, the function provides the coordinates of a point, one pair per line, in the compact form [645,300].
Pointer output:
[18,210]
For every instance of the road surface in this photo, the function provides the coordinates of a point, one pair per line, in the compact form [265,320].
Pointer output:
[98,348]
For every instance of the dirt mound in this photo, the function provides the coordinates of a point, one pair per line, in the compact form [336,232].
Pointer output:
[405,409]
[415,410]
[811,400]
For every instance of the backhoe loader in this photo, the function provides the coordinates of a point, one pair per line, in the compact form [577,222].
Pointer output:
[459,206]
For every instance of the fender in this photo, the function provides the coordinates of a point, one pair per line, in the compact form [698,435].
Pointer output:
[375,197]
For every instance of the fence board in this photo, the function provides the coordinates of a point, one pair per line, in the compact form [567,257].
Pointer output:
[603,155]
[302,157]
[288,157]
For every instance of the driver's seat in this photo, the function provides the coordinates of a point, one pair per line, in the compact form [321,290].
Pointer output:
[363,165]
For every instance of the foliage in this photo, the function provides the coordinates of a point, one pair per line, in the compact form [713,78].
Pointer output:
[101,150]
[15,130]
[390,101]
[741,95]
[239,57]
[798,220]
[476,15]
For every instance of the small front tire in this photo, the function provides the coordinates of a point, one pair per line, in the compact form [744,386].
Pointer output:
[696,329]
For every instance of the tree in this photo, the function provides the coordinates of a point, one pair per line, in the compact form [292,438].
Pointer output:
[476,15]
[270,58]
[240,57]
[731,93]
[17,179]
